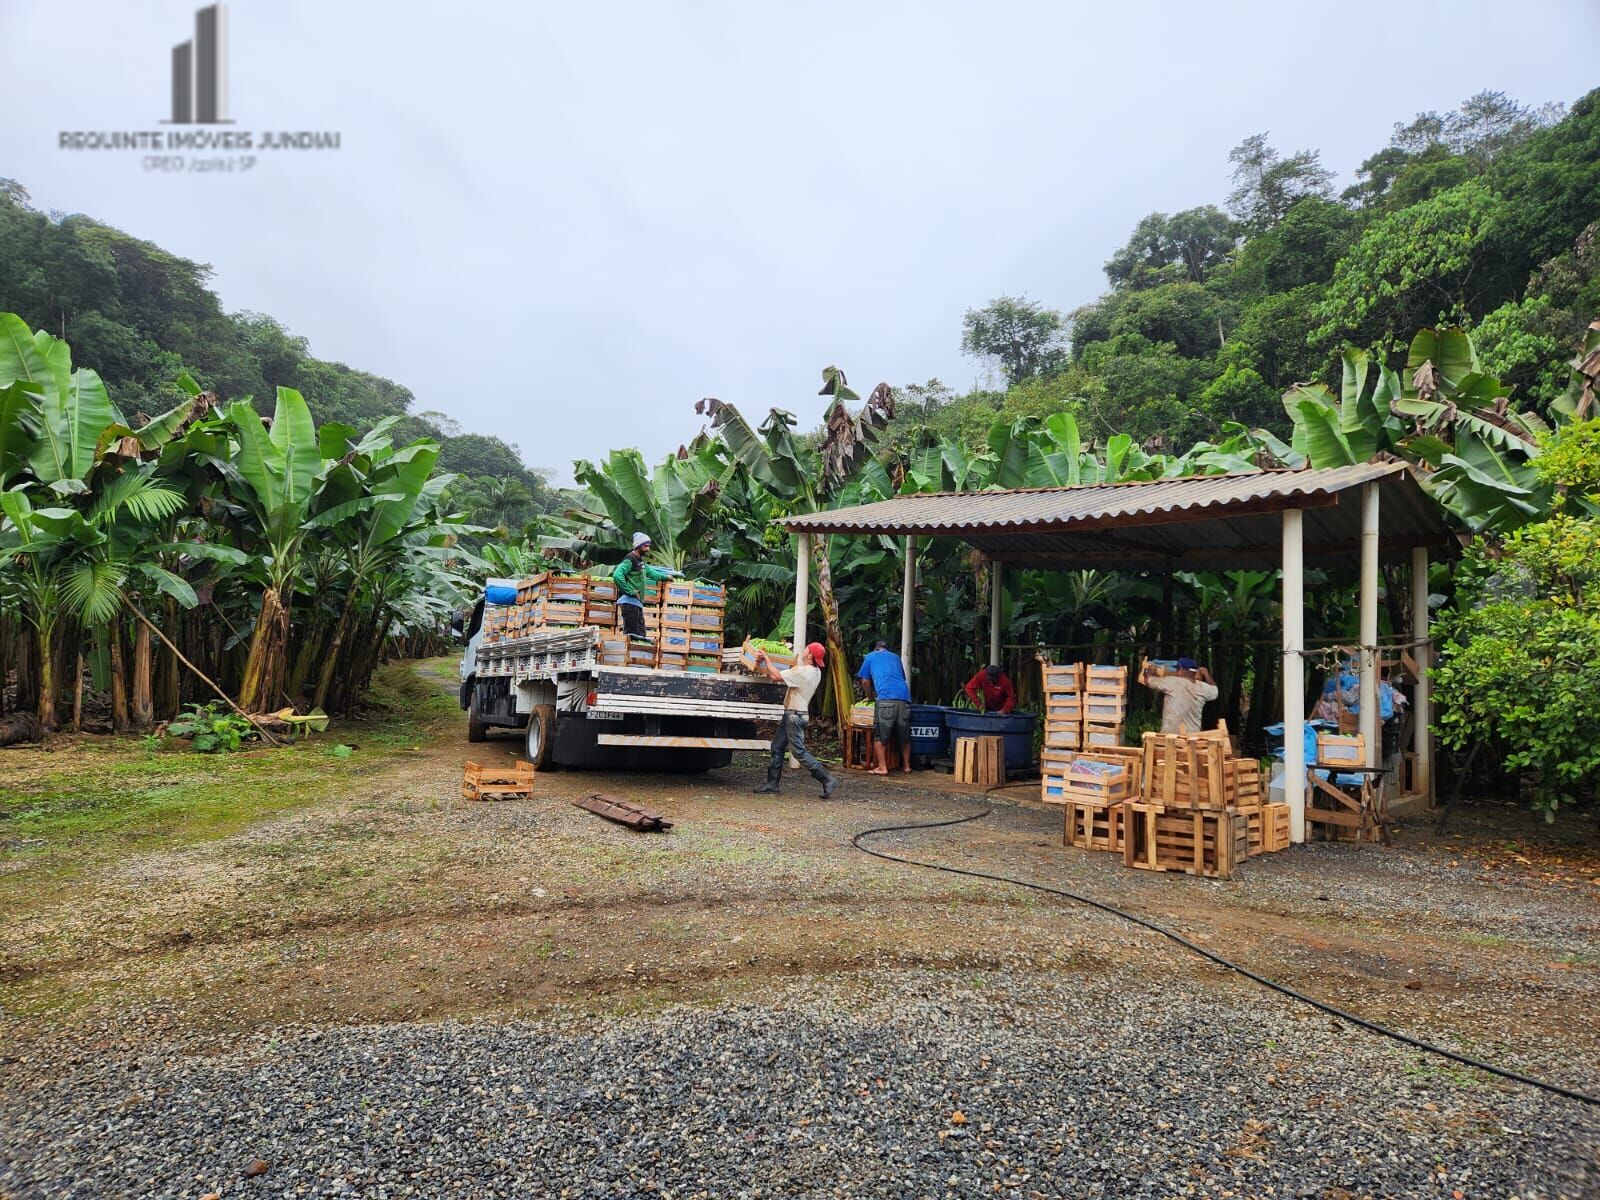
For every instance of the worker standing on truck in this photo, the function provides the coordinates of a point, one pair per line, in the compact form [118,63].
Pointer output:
[802,680]
[630,576]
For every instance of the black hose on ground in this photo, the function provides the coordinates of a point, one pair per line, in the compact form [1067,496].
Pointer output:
[1212,956]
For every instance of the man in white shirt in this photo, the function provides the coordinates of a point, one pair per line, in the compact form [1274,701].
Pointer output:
[802,679]
[1187,688]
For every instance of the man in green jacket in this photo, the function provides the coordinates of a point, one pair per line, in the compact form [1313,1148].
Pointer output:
[630,576]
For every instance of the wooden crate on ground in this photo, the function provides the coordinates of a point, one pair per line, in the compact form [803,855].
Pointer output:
[1268,827]
[1094,825]
[511,782]
[981,761]
[1197,841]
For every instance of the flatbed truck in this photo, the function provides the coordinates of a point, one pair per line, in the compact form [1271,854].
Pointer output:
[574,711]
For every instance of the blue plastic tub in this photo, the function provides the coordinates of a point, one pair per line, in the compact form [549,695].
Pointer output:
[1017,728]
[929,737]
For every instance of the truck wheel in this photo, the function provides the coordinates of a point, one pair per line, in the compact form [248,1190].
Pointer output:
[542,737]
[477,731]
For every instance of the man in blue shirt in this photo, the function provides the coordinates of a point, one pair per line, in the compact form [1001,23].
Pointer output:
[883,676]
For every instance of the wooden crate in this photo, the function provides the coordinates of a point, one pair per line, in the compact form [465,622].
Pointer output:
[981,761]
[1198,770]
[1268,827]
[1197,841]
[1067,677]
[1094,825]
[1112,783]
[513,782]
[747,658]
[1104,710]
[1099,737]
[1063,737]
[1105,681]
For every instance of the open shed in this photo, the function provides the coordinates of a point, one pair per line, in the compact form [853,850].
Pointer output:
[1363,514]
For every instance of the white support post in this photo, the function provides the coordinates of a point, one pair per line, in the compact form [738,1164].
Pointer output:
[1371,726]
[802,588]
[995,570]
[907,605]
[1422,708]
[1294,674]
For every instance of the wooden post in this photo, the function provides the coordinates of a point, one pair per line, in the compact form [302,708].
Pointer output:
[1294,674]
[1370,725]
[907,605]
[1422,708]
[802,588]
[995,571]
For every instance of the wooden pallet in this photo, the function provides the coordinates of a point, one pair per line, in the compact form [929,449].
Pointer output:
[1268,827]
[514,782]
[1196,841]
[981,761]
[1094,825]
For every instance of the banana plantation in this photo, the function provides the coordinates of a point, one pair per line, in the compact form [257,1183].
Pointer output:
[208,553]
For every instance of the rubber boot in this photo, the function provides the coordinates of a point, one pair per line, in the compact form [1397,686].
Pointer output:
[829,782]
[774,777]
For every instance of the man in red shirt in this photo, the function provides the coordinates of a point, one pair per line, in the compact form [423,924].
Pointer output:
[990,689]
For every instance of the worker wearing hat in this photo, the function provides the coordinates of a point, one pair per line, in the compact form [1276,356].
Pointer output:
[1186,687]
[630,576]
[802,679]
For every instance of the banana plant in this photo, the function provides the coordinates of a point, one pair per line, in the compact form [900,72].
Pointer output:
[676,505]
[808,481]
[374,496]
[275,474]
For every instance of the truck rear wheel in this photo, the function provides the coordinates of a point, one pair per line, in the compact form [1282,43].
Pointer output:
[477,731]
[542,737]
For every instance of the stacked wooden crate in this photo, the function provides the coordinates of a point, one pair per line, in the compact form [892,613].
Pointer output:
[1201,807]
[1095,791]
[689,624]
[1105,705]
[1063,728]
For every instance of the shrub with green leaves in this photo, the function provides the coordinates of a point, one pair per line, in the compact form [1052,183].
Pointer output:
[1520,660]
[213,732]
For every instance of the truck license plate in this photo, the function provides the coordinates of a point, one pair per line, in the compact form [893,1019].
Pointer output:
[604,716]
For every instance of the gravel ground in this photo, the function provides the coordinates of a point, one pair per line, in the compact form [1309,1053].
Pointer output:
[1114,1083]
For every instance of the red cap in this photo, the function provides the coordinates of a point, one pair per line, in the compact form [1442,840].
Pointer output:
[816,652]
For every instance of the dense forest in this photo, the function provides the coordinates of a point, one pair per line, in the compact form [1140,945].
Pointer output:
[1437,311]
[140,315]
[1484,217]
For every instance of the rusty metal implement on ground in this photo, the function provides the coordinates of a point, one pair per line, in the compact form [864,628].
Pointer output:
[624,813]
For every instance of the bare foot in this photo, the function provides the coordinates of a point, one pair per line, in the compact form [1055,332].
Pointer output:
[878,771]
[905,770]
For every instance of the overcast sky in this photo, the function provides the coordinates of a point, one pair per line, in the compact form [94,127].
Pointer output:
[564,224]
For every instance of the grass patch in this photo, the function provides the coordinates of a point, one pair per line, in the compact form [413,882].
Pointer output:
[64,808]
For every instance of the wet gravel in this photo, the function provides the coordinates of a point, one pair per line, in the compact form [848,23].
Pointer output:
[1097,1084]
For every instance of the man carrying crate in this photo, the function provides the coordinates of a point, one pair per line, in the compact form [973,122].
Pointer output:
[630,576]
[802,680]
[1187,687]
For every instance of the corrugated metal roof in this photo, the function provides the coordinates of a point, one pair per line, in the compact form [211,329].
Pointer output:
[1197,520]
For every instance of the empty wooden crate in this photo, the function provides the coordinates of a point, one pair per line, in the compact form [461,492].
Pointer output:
[514,781]
[981,761]
[1197,841]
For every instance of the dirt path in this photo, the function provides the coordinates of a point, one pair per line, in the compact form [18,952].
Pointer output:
[392,899]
